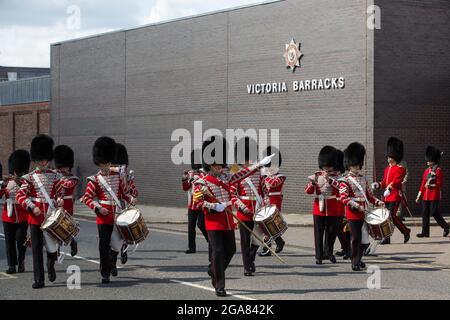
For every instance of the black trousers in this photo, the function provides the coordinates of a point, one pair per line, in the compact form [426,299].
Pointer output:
[195,217]
[37,245]
[15,237]
[324,225]
[223,247]
[344,238]
[393,207]
[356,234]
[248,250]
[108,257]
[431,208]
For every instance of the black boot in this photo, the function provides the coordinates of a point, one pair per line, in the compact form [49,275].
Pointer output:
[280,245]
[73,248]
[38,285]
[340,253]
[21,267]
[221,292]
[407,236]
[114,271]
[11,270]
[332,259]
[124,254]
[51,259]
[423,235]
[446,232]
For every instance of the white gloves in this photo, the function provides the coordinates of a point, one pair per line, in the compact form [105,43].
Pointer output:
[266,160]
[387,192]
[219,207]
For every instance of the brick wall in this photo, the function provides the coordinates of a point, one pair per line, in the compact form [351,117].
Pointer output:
[19,124]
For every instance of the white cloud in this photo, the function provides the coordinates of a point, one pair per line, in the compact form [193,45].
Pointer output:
[171,9]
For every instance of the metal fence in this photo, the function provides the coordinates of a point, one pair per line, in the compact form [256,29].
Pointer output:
[25,91]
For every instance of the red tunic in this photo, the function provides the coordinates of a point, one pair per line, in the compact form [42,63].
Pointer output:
[273,187]
[352,197]
[219,187]
[394,176]
[188,186]
[66,189]
[18,213]
[433,191]
[96,195]
[326,196]
[30,196]
[243,197]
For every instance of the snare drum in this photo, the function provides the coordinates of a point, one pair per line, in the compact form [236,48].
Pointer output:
[379,224]
[271,222]
[60,226]
[131,226]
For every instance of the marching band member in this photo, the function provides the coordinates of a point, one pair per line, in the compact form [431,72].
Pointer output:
[212,194]
[195,217]
[38,195]
[103,193]
[64,160]
[120,165]
[343,234]
[392,182]
[430,193]
[14,216]
[245,196]
[273,183]
[355,194]
[325,209]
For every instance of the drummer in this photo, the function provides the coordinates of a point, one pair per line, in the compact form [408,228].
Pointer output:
[64,160]
[273,183]
[103,194]
[246,197]
[39,194]
[353,192]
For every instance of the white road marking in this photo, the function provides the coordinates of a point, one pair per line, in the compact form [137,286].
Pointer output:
[211,289]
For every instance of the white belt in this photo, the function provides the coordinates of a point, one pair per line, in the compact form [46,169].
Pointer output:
[275,194]
[106,202]
[327,198]
[68,197]
[358,199]
[247,198]
[40,200]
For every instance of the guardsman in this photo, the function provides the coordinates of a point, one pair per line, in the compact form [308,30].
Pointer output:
[195,216]
[430,192]
[103,194]
[355,194]
[392,183]
[38,195]
[14,216]
[64,160]
[212,194]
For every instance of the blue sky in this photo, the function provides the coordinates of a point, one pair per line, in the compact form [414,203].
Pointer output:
[27,28]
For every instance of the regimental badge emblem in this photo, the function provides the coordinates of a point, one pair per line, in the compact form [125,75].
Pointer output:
[292,55]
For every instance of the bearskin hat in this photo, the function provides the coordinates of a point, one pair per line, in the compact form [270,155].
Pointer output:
[64,157]
[433,154]
[41,148]
[327,157]
[19,162]
[104,150]
[395,149]
[214,156]
[354,155]
[276,160]
[121,155]
[245,149]
[195,160]
[340,161]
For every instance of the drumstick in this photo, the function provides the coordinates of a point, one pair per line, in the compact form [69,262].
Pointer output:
[405,204]
[206,191]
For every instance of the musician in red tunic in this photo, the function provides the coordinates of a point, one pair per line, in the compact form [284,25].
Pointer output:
[392,183]
[14,216]
[195,216]
[103,194]
[64,161]
[38,195]
[273,183]
[212,195]
[430,192]
[246,197]
[355,194]
[325,209]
